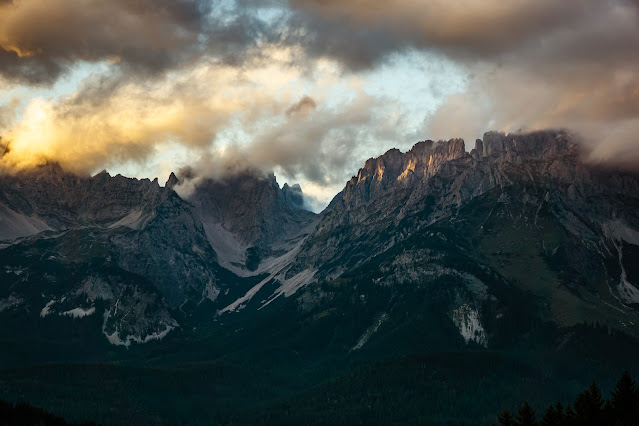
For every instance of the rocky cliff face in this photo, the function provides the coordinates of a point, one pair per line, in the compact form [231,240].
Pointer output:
[151,251]
[410,178]
[248,218]
[140,242]
[53,199]
[155,232]
[397,194]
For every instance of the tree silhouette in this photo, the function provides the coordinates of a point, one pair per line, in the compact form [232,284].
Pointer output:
[550,417]
[506,419]
[25,414]
[570,415]
[560,411]
[589,406]
[554,416]
[624,400]
[526,415]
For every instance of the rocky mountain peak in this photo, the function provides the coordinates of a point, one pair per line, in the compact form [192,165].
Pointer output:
[421,162]
[394,169]
[102,175]
[384,168]
[293,196]
[443,152]
[253,193]
[47,172]
[246,214]
[423,148]
[517,147]
[47,197]
[172,181]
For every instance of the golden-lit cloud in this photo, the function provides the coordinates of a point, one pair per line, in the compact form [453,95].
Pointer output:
[103,124]
[8,112]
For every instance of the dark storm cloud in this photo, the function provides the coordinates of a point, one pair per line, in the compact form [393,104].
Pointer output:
[362,32]
[28,70]
[40,42]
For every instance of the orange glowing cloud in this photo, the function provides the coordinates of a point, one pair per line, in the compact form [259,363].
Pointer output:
[104,124]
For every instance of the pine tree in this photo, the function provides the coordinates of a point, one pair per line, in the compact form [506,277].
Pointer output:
[595,397]
[570,415]
[561,415]
[589,406]
[551,417]
[554,416]
[624,400]
[526,415]
[506,419]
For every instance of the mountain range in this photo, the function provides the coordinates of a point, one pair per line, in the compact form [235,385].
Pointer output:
[512,266]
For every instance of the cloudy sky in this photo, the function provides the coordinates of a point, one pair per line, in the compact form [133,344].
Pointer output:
[306,88]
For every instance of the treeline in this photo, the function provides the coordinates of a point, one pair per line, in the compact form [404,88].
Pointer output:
[588,409]
[25,414]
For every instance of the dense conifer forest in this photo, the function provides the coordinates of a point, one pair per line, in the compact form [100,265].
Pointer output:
[590,408]
[24,414]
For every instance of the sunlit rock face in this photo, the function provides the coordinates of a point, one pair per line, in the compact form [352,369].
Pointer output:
[418,164]
[395,175]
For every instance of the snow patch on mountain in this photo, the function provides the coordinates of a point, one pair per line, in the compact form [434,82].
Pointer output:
[79,312]
[160,331]
[241,303]
[618,230]
[468,322]
[10,302]
[289,286]
[628,292]
[277,269]
[210,292]
[370,331]
[115,339]
[17,270]
[230,251]
[47,308]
